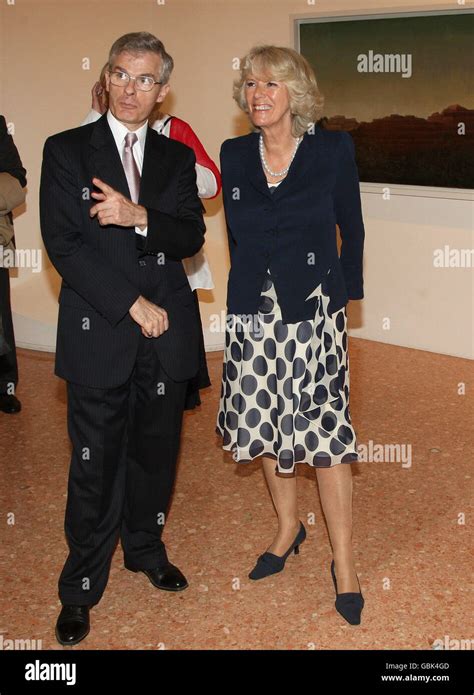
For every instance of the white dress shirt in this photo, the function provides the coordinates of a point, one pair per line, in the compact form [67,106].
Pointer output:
[196,267]
[119,131]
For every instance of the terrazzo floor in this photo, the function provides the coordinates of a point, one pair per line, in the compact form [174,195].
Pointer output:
[412,524]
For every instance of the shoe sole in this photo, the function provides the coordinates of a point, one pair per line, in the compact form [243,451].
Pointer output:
[271,574]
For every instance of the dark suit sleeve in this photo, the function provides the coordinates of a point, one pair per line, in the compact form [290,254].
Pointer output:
[10,161]
[349,217]
[178,236]
[80,265]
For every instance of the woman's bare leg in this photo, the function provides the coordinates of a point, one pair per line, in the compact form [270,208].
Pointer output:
[283,492]
[335,490]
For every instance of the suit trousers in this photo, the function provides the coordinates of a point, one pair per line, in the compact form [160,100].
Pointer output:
[8,362]
[125,446]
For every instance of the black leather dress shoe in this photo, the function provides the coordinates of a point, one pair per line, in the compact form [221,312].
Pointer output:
[166,577]
[72,625]
[9,404]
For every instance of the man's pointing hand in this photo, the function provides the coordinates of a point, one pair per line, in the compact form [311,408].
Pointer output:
[115,208]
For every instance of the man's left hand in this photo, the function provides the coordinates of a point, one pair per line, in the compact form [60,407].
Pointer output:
[115,208]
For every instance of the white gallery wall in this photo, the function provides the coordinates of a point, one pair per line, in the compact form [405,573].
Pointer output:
[52,52]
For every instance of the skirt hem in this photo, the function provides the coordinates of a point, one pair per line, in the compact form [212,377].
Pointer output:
[348,457]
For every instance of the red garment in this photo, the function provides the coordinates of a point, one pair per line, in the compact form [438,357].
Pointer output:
[182,131]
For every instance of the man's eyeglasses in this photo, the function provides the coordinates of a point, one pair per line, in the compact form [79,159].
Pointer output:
[143,82]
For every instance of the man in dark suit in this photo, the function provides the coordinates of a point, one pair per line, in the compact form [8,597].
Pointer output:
[128,334]
[12,194]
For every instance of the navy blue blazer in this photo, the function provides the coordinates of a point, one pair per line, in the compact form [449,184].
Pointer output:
[292,231]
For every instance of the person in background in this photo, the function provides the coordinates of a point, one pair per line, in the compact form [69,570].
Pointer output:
[208,180]
[12,194]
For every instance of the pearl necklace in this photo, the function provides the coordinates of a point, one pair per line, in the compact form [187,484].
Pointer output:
[275,174]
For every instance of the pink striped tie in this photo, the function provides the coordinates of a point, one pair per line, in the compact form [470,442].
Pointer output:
[130,166]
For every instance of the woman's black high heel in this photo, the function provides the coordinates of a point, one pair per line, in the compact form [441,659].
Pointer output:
[268,563]
[350,604]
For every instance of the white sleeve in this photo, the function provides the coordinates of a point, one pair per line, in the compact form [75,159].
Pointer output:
[91,117]
[198,271]
[206,182]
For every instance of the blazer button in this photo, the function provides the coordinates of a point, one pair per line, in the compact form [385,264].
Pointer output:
[142,262]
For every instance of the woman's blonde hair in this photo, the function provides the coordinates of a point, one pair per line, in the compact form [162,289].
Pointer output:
[288,66]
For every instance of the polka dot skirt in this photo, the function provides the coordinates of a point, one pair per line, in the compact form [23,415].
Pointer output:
[285,387]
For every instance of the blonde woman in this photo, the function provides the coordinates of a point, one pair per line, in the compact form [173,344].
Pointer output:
[285,383]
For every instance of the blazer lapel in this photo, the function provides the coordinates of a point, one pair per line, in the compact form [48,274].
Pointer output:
[155,167]
[253,167]
[105,162]
[308,150]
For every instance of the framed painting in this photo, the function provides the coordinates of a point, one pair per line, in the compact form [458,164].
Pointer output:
[403,86]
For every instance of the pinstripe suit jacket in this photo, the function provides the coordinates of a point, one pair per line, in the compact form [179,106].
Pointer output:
[105,269]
